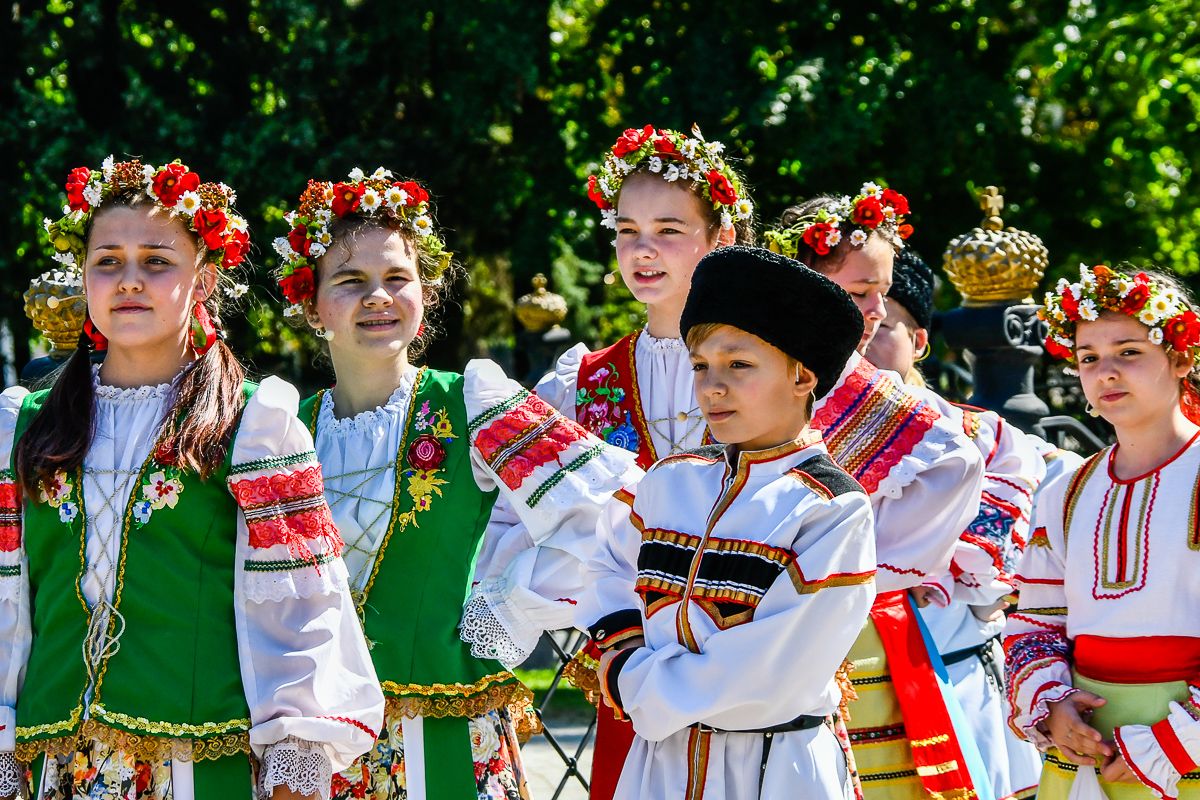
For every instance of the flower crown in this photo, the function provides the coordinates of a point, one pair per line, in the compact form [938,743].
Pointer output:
[853,218]
[376,195]
[1160,308]
[676,157]
[206,207]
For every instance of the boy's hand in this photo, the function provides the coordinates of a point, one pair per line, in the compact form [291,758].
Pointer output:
[1117,770]
[990,613]
[1078,742]
[922,595]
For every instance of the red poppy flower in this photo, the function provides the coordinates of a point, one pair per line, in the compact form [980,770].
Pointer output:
[905,230]
[1182,331]
[868,212]
[631,140]
[426,452]
[897,201]
[1137,297]
[298,286]
[77,181]
[347,197]
[595,195]
[298,238]
[209,225]
[721,189]
[817,237]
[416,194]
[172,181]
[1056,350]
[236,245]
[1070,305]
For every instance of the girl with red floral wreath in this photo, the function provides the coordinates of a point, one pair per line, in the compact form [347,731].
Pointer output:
[171,593]
[924,478]
[467,504]
[671,198]
[1102,661]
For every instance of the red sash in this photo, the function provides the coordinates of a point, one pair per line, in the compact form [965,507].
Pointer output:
[1137,659]
[939,761]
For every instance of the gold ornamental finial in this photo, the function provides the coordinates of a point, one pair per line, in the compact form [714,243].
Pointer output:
[54,302]
[993,264]
[541,309]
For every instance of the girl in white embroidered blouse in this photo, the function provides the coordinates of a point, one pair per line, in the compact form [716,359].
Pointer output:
[171,593]
[1103,653]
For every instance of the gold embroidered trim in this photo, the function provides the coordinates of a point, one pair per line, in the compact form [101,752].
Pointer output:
[932,740]
[141,747]
[937,769]
[846,685]
[580,672]
[1075,489]
[471,706]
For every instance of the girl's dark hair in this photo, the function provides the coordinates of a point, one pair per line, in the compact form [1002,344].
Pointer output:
[204,404]
[832,261]
[743,229]
[436,277]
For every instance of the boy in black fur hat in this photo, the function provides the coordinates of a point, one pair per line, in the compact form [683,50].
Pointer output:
[729,590]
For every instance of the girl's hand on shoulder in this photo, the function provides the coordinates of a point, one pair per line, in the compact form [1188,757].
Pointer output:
[1078,742]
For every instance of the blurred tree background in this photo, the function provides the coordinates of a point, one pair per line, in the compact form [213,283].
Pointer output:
[1085,113]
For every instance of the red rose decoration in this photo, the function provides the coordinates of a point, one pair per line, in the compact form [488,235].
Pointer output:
[235,249]
[665,147]
[298,286]
[416,195]
[816,237]
[1182,331]
[868,213]
[905,230]
[426,452]
[172,181]
[631,140]
[210,226]
[897,201]
[77,181]
[346,197]
[1070,305]
[298,238]
[1136,299]
[1056,350]
[721,189]
[595,195]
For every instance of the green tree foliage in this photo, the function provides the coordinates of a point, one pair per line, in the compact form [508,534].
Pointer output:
[1085,114]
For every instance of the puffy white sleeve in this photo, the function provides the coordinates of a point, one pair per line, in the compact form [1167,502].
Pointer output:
[559,386]
[611,609]
[1162,753]
[924,505]
[1036,647]
[314,698]
[15,630]
[554,480]
[734,682]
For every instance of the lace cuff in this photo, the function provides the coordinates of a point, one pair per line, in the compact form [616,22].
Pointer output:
[299,765]
[10,775]
[493,629]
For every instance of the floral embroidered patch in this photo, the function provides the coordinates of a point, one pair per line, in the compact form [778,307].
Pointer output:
[58,492]
[159,491]
[602,413]
[424,459]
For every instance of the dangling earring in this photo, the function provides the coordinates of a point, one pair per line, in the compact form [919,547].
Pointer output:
[204,332]
[924,354]
[1090,410]
[324,333]
[420,330]
[99,340]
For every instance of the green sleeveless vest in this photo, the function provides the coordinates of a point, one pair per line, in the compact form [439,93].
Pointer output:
[175,672]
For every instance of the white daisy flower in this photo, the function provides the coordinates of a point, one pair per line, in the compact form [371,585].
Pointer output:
[395,197]
[423,225]
[726,221]
[858,237]
[656,164]
[381,174]
[672,174]
[237,223]
[1058,314]
[316,249]
[92,194]
[1160,306]
[324,216]
[608,218]
[1147,316]
[189,203]
[744,208]
[66,259]
[283,247]
[324,237]
[833,238]
[605,187]
[1065,341]
[107,167]
[1171,297]
[371,200]
[714,148]
[1155,336]
[870,189]
[148,173]
[356,175]
[46,223]
[1076,290]
[697,175]
[624,167]
[1063,283]
[293,310]
[237,290]
[290,218]
[889,213]
[1123,286]
[688,148]
[327,195]
[1087,310]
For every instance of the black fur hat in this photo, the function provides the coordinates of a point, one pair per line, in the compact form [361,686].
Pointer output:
[782,302]
[912,286]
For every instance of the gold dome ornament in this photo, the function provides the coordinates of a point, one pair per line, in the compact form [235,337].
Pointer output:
[541,309]
[54,302]
[993,264]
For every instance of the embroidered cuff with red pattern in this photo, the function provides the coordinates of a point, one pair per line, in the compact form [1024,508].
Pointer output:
[619,626]
[610,671]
